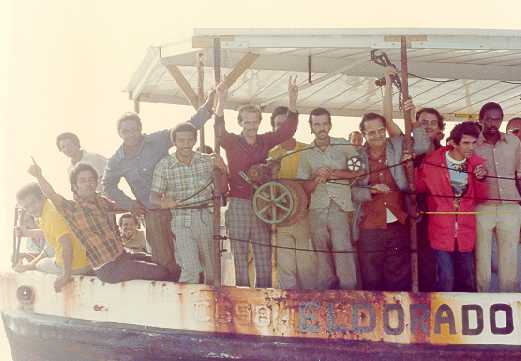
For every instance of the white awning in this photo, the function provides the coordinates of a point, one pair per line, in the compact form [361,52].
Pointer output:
[453,70]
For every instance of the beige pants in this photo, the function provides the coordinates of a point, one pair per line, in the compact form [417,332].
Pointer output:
[505,220]
[296,269]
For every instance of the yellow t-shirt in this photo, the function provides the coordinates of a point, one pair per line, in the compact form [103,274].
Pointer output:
[53,225]
[289,164]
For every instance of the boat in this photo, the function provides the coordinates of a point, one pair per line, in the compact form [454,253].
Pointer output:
[452,70]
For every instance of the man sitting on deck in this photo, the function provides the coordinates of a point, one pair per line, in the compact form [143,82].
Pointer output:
[453,236]
[188,175]
[242,152]
[325,167]
[381,216]
[91,218]
[135,160]
[70,258]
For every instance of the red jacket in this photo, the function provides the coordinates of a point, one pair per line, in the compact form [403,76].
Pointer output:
[444,229]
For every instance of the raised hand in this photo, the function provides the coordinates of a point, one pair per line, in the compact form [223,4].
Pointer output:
[35,169]
[292,93]
[210,100]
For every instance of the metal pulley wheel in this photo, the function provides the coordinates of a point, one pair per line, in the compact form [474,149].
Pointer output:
[354,164]
[279,202]
[272,202]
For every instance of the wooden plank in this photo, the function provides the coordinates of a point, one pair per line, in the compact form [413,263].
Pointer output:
[239,69]
[183,83]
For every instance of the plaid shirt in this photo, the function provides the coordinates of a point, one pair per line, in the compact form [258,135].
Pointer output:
[179,181]
[94,226]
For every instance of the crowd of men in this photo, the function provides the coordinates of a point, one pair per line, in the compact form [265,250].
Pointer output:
[355,233]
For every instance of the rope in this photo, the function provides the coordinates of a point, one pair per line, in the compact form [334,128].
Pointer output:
[396,249]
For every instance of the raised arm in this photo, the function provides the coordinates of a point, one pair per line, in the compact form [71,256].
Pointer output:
[289,126]
[45,186]
[392,128]
[203,113]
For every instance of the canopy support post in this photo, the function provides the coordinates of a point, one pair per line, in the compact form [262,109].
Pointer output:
[183,83]
[218,197]
[200,96]
[409,166]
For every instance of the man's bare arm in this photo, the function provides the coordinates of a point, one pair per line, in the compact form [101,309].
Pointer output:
[67,255]
[45,186]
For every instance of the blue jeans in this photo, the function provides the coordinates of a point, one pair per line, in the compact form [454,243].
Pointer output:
[454,271]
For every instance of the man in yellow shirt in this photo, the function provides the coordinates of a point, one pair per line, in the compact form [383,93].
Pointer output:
[70,257]
[296,269]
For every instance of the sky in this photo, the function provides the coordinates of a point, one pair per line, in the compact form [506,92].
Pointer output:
[64,63]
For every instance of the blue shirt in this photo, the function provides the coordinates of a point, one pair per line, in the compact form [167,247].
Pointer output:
[138,170]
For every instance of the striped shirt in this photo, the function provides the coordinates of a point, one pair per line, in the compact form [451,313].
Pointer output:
[94,225]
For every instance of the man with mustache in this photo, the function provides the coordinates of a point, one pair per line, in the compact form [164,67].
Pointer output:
[325,167]
[242,152]
[182,175]
[501,213]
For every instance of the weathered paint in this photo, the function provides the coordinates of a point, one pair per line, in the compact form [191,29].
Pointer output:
[404,318]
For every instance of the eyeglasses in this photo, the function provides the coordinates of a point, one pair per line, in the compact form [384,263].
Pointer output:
[514,131]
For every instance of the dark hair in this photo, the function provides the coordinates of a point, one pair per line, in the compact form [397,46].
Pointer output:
[29,189]
[370,116]
[281,110]
[439,117]
[183,127]
[67,135]
[319,111]
[489,106]
[128,215]
[80,167]
[130,116]
[466,128]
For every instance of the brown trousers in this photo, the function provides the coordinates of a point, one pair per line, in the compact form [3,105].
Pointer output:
[161,240]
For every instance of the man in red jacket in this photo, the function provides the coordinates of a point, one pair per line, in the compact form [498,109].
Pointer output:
[452,178]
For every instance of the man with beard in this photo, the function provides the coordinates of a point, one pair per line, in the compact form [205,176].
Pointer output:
[501,214]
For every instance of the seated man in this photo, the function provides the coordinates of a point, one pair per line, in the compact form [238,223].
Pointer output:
[453,236]
[70,258]
[69,144]
[186,175]
[132,237]
[90,217]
